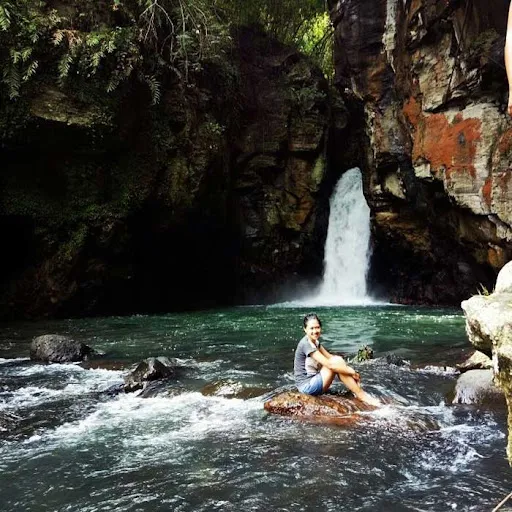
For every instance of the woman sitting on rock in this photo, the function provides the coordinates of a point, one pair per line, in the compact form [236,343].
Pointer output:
[315,368]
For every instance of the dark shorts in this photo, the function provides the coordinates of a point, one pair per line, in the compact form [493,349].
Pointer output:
[312,386]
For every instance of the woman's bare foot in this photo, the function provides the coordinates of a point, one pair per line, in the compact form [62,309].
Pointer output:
[369,399]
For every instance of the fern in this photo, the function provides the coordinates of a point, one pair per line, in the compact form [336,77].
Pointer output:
[12,79]
[31,70]
[5,16]
[64,66]
[154,88]
[145,39]
[22,30]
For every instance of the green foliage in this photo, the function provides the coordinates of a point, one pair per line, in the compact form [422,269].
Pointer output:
[317,41]
[150,41]
[24,26]
[363,354]
[110,42]
[304,24]
[482,290]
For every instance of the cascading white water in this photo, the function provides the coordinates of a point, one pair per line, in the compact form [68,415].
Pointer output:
[347,253]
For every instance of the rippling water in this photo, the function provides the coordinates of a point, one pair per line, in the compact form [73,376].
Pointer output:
[206,443]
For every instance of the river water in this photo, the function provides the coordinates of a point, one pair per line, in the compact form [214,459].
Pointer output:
[207,444]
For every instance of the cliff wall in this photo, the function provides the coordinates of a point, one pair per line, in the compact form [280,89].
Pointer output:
[426,83]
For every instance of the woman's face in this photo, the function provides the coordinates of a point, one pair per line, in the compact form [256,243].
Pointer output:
[313,329]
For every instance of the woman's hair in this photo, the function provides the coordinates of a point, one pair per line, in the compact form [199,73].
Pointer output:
[311,316]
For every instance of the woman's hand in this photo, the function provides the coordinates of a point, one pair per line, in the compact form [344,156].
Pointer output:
[338,364]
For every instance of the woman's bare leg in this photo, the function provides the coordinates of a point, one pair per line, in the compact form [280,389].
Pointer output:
[353,386]
[328,376]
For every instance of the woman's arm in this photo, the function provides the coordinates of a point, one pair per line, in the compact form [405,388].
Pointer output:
[325,352]
[508,58]
[335,363]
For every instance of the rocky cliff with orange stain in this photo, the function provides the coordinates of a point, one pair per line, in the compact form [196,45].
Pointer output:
[428,90]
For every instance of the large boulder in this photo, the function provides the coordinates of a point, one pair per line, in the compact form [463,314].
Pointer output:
[341,410]
[151,369]
[54,348]
[336,409]
[489,328]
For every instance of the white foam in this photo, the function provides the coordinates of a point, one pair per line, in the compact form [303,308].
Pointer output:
[187,416]
[329,302]
[439,370]
[28,371]
[27,397]
[76,382]
[4,360]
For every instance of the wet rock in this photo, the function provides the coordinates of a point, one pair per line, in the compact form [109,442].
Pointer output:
[344,410]
[395,360]
[162,387]
[8,422]
[336,409]
[53,348]
[477,387]
[229,388]
[151,369]
[105,364]
[478,361]
[114,390]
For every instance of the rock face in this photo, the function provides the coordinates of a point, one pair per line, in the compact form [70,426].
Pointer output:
[334,409]
[428,80]
[211,197]
[279,165]
[53,348]
[489,327]
[151,369]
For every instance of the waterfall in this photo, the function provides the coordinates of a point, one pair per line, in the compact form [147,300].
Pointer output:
[347,252]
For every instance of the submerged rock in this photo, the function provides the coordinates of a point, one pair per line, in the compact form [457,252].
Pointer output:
[337,409]
[477,387]
[396,360]
[54,348]
[151,369]
[229,388]
[8,422]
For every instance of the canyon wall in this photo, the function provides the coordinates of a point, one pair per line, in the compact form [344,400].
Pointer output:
[426,82]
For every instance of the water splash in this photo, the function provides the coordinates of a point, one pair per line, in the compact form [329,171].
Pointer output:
[347,252]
